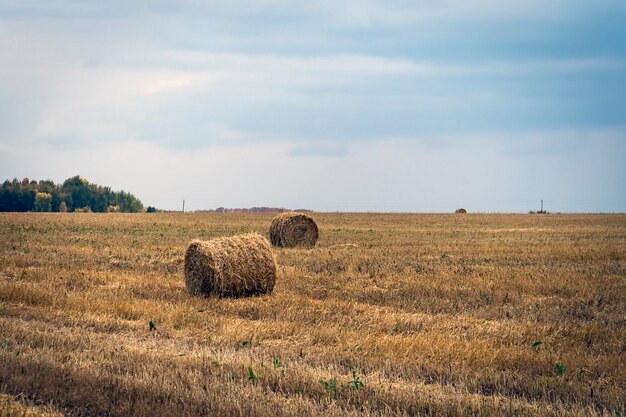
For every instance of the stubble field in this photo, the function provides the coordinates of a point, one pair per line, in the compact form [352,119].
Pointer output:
[389,315]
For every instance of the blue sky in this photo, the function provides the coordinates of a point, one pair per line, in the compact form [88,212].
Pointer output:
[329,105]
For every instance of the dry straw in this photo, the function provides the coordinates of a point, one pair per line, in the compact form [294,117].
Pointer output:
[230,266]
[293,229]
[460,211]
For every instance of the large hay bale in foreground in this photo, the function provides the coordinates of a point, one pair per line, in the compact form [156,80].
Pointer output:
[293,229]
[230,266]
[460,211]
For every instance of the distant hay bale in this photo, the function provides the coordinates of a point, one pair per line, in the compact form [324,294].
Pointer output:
[230,266]
[293,229]
[461,211]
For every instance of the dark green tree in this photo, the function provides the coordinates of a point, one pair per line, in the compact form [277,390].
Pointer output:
[77,189]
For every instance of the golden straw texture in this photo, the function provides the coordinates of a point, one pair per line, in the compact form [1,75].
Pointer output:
[230,266]
[293,229]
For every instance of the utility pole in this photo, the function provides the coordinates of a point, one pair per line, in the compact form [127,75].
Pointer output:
[183,206]
[542,206]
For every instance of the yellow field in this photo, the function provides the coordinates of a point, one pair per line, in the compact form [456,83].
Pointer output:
[433,314]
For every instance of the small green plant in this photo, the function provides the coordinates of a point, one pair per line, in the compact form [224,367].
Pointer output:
[535,346]
[152,325]
[251,374]
[279,365]
[330,386]
[217,363]
[560,369]
[356,383]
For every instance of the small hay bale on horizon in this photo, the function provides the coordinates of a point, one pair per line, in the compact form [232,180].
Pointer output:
[460,211]
[234,266]
[293,229]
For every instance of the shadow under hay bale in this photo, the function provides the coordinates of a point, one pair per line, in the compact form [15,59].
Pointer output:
[230,266]
[461,211]
[293,229]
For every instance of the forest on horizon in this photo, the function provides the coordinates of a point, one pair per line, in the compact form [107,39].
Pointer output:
[76,194]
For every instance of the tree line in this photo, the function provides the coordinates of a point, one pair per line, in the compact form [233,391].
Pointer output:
[76,194]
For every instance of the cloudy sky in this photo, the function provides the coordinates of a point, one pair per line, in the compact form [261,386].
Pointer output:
[367,105]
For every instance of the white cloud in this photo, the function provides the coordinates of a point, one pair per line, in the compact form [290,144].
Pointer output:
[379,12]
[70,99]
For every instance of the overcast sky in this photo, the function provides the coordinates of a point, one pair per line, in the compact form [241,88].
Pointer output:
[348,105]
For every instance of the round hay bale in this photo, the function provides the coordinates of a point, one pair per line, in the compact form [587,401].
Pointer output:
[230,266]
[293,229]
[460,211]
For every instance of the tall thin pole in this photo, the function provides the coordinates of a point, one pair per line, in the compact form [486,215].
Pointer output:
[542,206]
[183,206]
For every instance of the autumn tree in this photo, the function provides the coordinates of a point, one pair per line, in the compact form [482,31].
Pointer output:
[43,202]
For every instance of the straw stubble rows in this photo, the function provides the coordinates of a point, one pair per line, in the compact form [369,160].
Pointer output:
[435,314]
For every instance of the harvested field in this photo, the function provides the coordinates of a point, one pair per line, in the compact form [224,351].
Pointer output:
[389,314]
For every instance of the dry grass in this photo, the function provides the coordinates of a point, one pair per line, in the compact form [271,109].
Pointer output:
[436,314]
[11,406]
[234,266]
[290,230]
